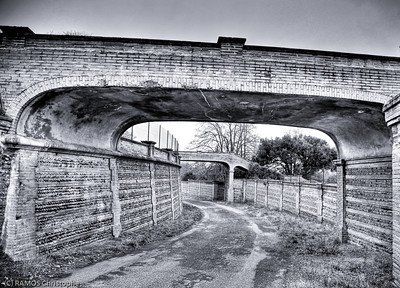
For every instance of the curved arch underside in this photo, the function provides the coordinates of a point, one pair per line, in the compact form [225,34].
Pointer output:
[97,116]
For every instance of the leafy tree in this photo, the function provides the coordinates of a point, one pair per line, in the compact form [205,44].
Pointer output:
[298,154]
[256,171]
[314,154]
[203,171]
[188,176]
[236,138]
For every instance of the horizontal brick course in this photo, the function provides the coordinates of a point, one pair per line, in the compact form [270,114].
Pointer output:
[45,62]
[368,202]
[71,199]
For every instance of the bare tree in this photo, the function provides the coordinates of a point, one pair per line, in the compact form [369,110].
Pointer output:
[237,138]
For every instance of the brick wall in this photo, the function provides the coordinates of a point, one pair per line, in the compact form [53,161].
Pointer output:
[5,166]
[396,202]
[5,122]
[368,202]
[392,117]
[43,62]
[163,192]
[73,204]
[175,184]
[132,147]
[62,199]
[135,194]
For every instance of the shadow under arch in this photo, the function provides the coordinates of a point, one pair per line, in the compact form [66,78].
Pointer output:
[97,116]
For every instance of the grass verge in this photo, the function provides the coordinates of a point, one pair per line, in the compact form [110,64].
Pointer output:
[316,259]
[319,260]
[63,263]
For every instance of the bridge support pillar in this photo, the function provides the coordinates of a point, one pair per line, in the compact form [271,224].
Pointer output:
[392,116]
[229,184]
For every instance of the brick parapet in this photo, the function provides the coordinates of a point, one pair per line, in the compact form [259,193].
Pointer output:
[46,62]
[12,141]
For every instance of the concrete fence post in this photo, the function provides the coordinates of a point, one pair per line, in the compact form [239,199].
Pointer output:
[150,148]
[266,183]
[244,184]
[255,191]
[170,153]
[215,191]
[180,196]
[320,202]
[341,200]
[298,198]
[116,203]
[171,190]
[281,197]
[199,194]
[153,192]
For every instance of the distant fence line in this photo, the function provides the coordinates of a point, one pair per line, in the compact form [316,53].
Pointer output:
[315,200]
[305,199]
[203,190]
[152,132]
[323,178]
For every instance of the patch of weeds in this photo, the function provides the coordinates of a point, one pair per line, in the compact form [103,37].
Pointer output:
[317,258]
[61,263]
[307,237]
[320,259]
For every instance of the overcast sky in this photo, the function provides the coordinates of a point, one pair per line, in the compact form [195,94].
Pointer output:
[358,26]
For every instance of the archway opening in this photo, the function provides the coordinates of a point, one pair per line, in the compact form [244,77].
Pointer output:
[98,116]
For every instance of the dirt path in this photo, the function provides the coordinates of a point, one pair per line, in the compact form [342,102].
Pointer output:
[227,249]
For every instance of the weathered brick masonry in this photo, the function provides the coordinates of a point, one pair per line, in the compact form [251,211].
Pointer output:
[392,113]
[35,63]
[61,199]
[5,165]
[368,206]
[128,81]
[396,202]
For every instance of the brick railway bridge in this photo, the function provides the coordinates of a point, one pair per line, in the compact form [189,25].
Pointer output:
[66,100]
